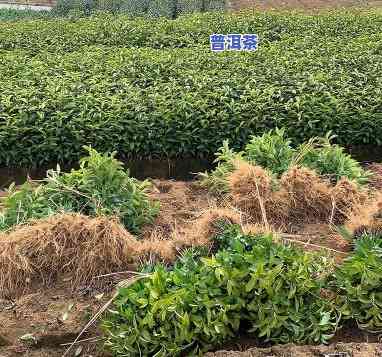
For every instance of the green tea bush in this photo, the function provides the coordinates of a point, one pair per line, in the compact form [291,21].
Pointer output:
[225,160]
[331,161]
[274,152]
[99,186]
[60,34]
[359,283]
[269,289]
[17,15]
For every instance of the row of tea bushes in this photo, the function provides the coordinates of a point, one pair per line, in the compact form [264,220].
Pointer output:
[253,285]
[18,14]
[185,102]
[58,35]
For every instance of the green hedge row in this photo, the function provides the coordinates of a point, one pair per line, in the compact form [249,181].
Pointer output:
[58,35]
[149,8]
[185,102]
[17,14]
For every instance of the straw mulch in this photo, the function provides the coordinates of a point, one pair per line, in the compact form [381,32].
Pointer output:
[367,218]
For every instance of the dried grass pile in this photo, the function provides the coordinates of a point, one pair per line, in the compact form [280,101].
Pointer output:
[299,197]
[366,218]
[206,227]
[155,249]
[67,243]
[85,247]
[251,189]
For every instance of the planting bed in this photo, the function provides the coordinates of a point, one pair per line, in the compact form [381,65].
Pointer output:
[40,312]
[274,251]
[48,316]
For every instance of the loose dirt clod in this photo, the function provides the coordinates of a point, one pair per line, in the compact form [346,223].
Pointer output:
[67,243]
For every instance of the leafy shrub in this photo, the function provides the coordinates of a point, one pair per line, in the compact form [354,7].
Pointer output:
[274,152]
[61,34]
[216,180]
[359,283]
[99,186]
[17,15]
[23,203]
[273,289]
[331,160]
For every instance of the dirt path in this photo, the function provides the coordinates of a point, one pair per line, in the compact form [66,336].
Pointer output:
[302,4]
[337,350]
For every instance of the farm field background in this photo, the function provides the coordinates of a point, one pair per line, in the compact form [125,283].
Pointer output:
[153,88]
[198,256]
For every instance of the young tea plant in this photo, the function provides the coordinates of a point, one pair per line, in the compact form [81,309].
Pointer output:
[331,161]
[216,180]
[272,151]
[201,303]
[359,283]
[100,186]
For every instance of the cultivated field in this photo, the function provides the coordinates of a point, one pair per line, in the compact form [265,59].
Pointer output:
[274,250]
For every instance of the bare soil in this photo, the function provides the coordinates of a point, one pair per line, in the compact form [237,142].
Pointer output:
[335,350]
[38,323]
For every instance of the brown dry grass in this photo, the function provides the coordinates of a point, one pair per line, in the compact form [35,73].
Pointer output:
[207,226]
[86,247]
[68,243]
[300,197]
[366,218]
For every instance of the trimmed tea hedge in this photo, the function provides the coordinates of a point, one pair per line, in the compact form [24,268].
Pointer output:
[181,102]
[17,14]
[58,35]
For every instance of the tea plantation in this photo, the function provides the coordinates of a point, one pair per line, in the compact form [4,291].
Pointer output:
[153,88]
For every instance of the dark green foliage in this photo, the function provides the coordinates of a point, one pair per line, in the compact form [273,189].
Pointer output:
[359,283]
[272,289]
[99,186]
[15,15]
[59,35]
[152,88]
[148,8]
